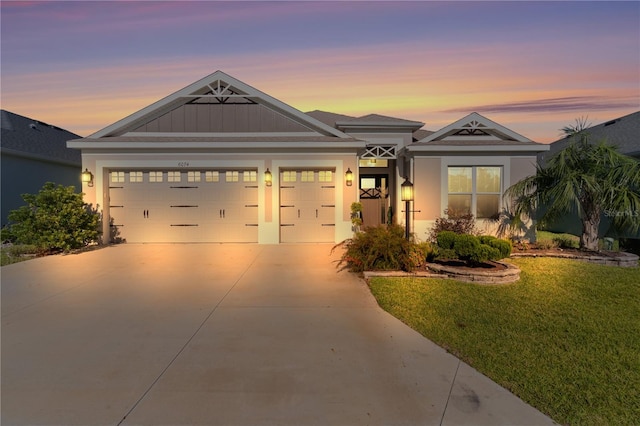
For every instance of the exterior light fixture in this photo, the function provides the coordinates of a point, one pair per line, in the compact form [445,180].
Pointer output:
[87,177]
[349,177]
[406,193]
[268,177]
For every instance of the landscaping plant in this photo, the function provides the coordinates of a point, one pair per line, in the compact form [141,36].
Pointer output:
[55,219]
[459,223]
[471,248]
[589,178]
[381,247]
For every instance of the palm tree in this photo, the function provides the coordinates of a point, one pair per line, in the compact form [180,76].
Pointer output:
[592,179]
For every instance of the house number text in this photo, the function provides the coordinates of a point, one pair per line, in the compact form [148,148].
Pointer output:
[183,164]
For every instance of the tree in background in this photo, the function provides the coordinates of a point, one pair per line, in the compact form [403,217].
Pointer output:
[591,179]
[55,219]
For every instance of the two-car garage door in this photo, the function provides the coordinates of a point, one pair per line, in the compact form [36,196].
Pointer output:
[179,206]
[217,205]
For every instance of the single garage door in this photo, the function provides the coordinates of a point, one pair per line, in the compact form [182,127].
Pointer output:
[184,206]
[307,206]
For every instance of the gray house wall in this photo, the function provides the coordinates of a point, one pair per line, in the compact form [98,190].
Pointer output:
[31,154]
[20,175]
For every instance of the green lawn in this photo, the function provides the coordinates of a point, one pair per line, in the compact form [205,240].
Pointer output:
[565,338]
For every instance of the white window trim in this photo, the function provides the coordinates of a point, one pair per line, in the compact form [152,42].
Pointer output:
[463,161]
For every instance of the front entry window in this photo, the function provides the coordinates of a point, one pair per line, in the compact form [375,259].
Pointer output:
[475,190]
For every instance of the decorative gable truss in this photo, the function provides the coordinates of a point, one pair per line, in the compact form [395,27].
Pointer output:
[218,103]
[474,127]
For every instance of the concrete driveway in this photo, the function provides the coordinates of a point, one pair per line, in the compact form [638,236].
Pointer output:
[223,335]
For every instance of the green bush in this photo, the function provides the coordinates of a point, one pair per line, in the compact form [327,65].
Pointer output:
[504,246]
[466,245]
[446,254]
[446,239]
[484,253]
[381,248]
[471,248]
[6,235]
[55,219]
[566,241]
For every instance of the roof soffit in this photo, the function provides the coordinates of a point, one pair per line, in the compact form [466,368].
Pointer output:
[219,88]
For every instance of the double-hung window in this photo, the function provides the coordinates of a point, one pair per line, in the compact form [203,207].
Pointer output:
[475,190]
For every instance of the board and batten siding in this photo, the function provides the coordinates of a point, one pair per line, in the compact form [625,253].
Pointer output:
[222,118]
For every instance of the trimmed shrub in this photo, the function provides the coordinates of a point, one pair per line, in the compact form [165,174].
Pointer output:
[446,239]
[504,246]
[466,246]
[471,248]
[484,253]
[381,248]
[446,254]
[55,219]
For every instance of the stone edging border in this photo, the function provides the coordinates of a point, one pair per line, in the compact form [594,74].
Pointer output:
[622,259]
[509,275]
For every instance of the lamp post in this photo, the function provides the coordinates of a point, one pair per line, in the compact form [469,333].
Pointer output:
[406,192]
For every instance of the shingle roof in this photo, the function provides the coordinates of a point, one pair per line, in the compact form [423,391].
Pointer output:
[421,134]
[340,120]
[217,139]
[329,118]
[623,132]
[26,136]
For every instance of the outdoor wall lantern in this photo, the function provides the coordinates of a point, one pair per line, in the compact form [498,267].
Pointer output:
[87,177]
[268,177]
[349,177]
[406,193]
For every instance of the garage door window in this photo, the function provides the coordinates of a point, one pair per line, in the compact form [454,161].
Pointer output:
[193,176]
[135,177]
[155,176]
[117,177]
[307,176]
[289,176]
[325,176]
[232,176]
[173,176]
[250,176]
[212,176]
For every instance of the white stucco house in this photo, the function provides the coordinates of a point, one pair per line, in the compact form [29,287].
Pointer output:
[220,161]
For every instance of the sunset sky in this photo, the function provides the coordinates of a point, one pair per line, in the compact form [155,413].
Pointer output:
[531,66]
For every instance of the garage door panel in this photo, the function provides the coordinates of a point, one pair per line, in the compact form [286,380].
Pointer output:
[307,206]
[181,211]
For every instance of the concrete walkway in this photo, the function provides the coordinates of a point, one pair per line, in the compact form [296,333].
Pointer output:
[207,334]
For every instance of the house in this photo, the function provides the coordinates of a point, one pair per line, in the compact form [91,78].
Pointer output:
[33,153]
[624,134]
[220,161]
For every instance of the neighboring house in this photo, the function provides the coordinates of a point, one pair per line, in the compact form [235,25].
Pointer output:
[624,134]
[33,153]
[220,161]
